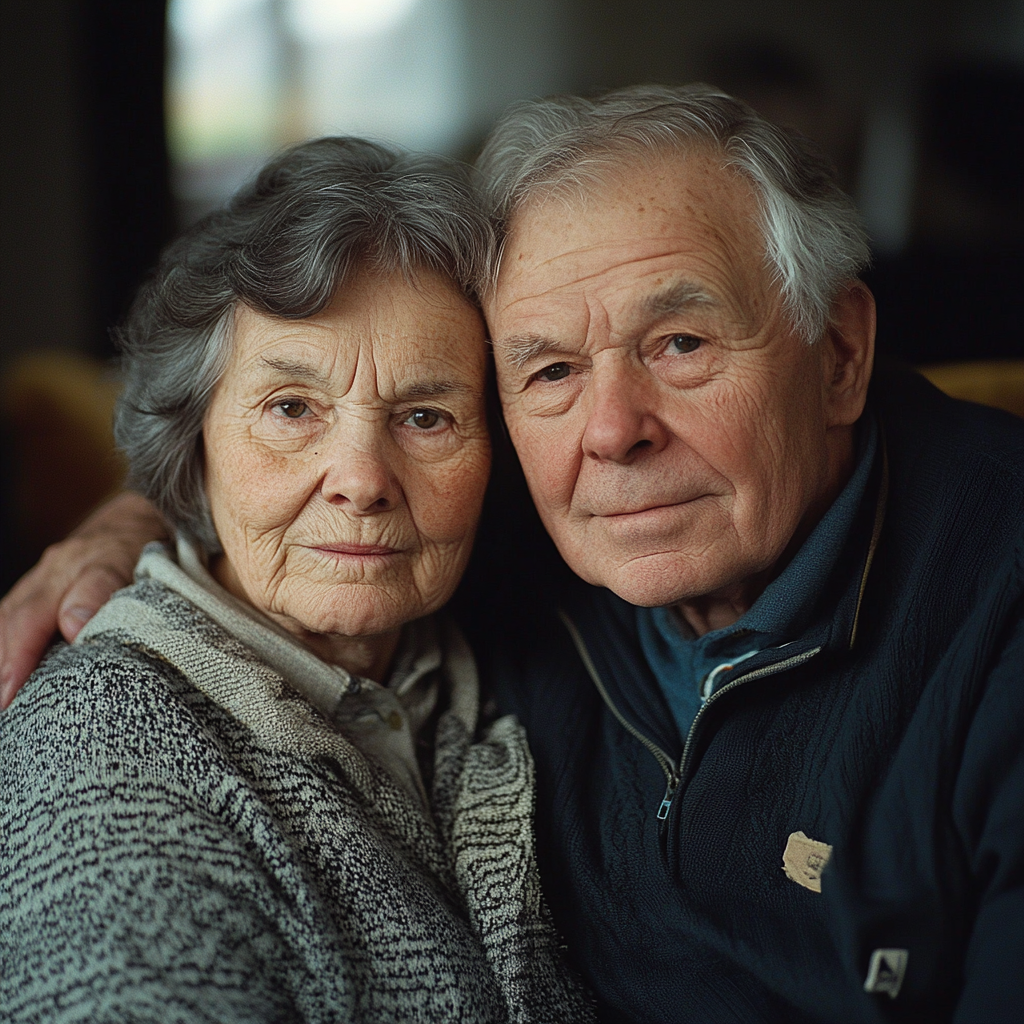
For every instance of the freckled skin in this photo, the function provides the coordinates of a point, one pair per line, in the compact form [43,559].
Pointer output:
[316,438]
[676,456]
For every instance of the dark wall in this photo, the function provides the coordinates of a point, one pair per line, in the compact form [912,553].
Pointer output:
[84,209]
[44,273]
[86,203]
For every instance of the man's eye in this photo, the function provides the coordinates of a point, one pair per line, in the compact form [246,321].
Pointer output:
[292,409]
[684,343]
[425,419]
[554,372]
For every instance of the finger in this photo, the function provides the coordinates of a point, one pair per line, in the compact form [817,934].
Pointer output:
[28,617]
[27,629]
[90,591]
[70,582]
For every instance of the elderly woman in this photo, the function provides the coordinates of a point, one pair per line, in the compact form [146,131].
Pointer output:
[254,788]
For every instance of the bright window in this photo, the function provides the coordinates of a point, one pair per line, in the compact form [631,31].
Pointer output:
[247,77]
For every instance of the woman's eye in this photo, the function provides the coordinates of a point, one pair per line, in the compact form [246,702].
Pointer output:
[554,372]
[425,419]
[292,409]
[684,343]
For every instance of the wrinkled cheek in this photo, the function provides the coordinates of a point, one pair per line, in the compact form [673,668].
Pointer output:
[769,509]
[550,472]
[436,574]
[446,524]
[450,519]
[446,501]
[254,497]
[531,445]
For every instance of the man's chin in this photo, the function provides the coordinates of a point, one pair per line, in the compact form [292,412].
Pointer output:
[653,580]
[642,594]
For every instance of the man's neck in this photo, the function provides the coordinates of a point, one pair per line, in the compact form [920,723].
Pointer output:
[725,607]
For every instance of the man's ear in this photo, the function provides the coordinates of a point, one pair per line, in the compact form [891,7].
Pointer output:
[850,353]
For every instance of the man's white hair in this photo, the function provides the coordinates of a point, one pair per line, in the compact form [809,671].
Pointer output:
[814,236]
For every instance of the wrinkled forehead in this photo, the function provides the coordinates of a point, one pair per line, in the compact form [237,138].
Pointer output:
[398,322]
[681,178]
[683,215]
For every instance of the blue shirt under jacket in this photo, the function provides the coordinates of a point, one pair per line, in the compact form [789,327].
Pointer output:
[690,668]
[889,728]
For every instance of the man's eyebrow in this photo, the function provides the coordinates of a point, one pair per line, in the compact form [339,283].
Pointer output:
[297,371]
[521,349]
[674,298]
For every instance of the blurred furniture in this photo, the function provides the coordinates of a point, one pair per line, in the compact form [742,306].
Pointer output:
[995,382]
[61,460]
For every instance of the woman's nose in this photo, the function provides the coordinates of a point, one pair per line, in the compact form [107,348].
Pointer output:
[359,477]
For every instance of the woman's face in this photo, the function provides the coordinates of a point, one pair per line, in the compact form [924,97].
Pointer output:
[347,456]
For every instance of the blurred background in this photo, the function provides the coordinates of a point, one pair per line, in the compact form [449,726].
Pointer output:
[124,121]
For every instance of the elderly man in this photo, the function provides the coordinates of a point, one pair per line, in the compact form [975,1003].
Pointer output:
[778,713]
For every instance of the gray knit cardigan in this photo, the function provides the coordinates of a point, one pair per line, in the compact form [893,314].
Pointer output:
[186,838]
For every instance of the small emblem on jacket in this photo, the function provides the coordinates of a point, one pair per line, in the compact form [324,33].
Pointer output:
[804,859]
[885,971]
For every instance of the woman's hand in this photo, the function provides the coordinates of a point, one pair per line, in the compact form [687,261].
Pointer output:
[70,583]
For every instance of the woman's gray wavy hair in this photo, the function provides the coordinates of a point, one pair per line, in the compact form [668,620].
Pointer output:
[313,217]
[814,236]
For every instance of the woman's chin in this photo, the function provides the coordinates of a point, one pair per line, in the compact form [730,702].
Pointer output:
[349,615]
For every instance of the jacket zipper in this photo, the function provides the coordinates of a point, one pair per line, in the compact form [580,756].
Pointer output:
[664,761]
[758,673]
[673,774]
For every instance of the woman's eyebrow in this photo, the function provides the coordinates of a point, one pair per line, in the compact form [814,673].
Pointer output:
[297,371]
[408,392]
[432,389]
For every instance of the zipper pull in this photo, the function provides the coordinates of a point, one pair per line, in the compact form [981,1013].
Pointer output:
[666,802]
[708,687]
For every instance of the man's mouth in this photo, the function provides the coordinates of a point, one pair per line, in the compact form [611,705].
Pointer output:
[647,509]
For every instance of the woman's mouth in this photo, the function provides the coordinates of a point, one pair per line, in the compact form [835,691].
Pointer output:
[355,550]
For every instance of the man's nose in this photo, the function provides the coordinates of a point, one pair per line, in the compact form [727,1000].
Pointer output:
[622,420]
[359,474]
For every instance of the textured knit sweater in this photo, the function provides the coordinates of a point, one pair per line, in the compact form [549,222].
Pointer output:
[185,837]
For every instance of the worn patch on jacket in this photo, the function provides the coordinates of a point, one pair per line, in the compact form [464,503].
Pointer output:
[804,859]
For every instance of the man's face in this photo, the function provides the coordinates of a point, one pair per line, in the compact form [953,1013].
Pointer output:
[675,432]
